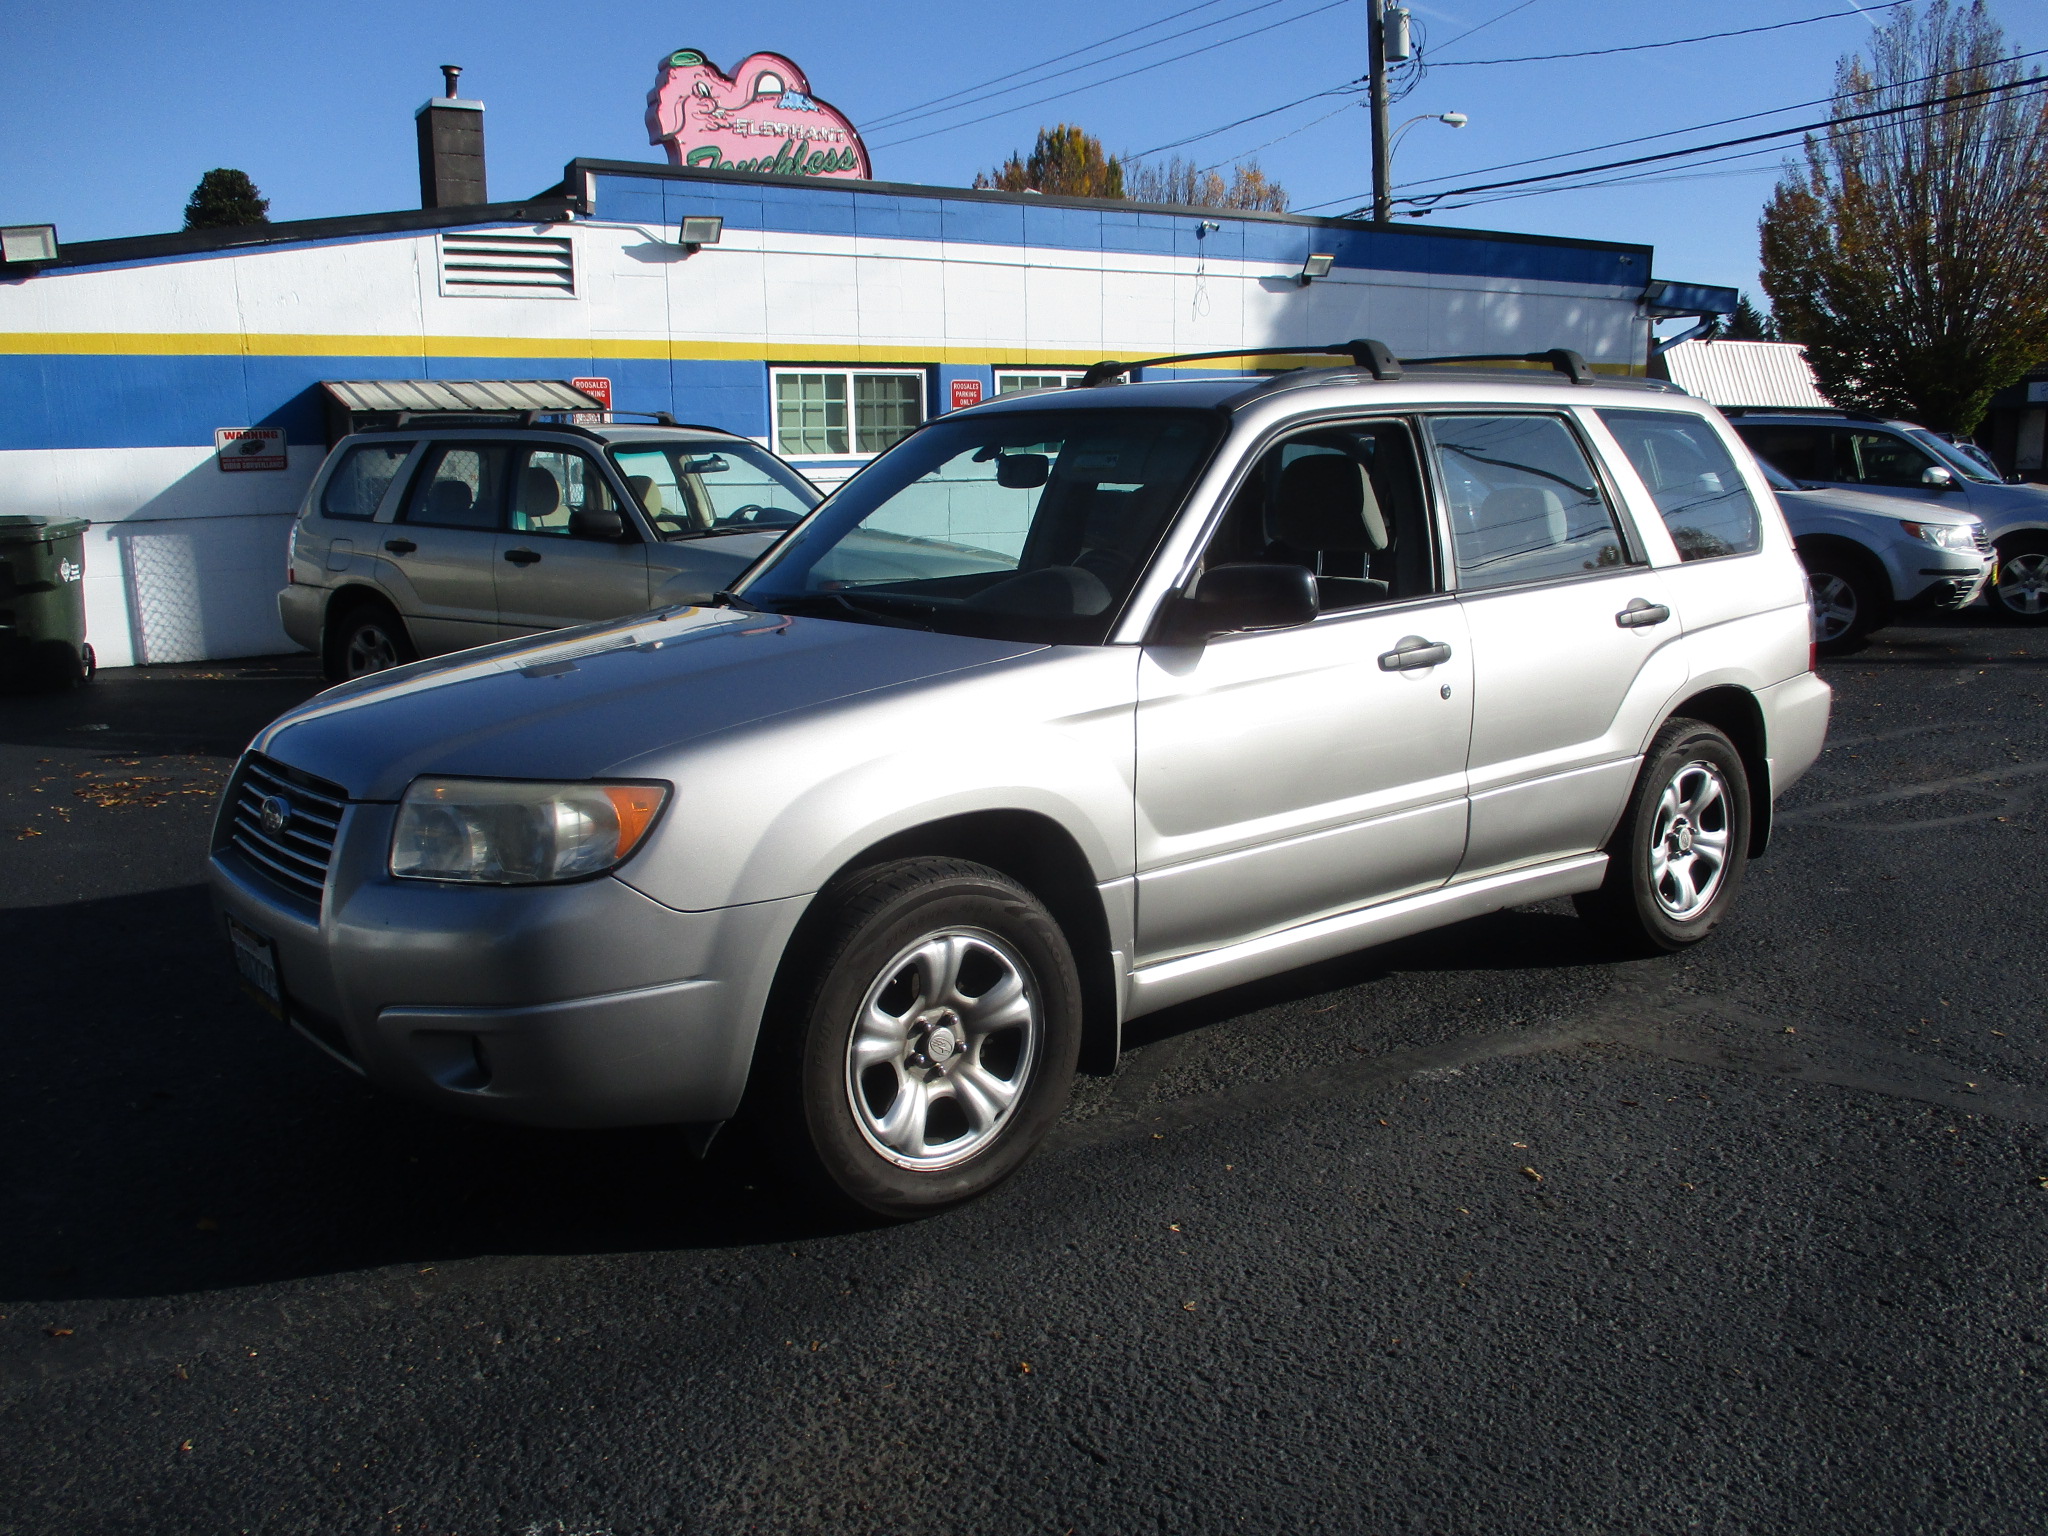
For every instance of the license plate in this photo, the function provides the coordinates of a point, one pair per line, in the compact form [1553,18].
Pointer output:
[256,959]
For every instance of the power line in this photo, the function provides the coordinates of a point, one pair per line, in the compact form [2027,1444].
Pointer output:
[1210,133]
[1282,138]
[1747,117]
[1057,58]
[1330,5]
[1676,42]
[1503,16]
[2035,85]
[1011,84]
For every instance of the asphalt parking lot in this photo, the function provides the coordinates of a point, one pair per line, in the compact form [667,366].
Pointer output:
[1477,1232]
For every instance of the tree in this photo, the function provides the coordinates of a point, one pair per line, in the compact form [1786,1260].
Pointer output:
[1910,253]
[225,199]
[1180,181]
[1748,323]
[1070,161]
[1066,161]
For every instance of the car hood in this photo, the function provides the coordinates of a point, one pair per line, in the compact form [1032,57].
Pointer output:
[1890,509]
[576,703]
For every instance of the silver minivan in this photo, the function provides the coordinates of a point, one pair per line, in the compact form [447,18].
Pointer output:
[445,532]
[1068,708]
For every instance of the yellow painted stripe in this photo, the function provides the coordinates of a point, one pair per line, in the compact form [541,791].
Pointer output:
[676,349]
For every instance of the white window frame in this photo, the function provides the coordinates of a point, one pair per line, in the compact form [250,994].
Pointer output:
[848,374]
[1068,377]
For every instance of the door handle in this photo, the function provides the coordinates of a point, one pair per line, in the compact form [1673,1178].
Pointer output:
[400,546]
[522,556]
[1413,653]
[1639,614]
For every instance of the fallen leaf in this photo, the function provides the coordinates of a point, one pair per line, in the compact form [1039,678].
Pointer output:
[65,1333]
[1023,1367]
[1187,1306]
[184,1445]
[1531,1173]
[207,1224]
[1523,1145]
[1173,1226]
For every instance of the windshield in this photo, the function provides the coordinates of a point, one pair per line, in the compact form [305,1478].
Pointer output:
[1029,525]
[1964,464]
[691,490]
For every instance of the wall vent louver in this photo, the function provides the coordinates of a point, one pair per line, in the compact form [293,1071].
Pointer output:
[528,266]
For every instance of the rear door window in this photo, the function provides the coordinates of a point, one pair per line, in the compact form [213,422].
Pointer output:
[1693,479]
[1804,453]
[1524,502]
[357,486]
[462,485]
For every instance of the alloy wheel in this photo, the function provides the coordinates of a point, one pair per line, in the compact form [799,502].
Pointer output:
[946,1041]
[369,649]
[2023,583]
[1834,606]
[1689,841]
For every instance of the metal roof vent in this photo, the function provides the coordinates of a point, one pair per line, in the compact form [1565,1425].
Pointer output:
[530,266]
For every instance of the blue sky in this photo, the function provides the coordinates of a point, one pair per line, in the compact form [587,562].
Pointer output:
[113,111]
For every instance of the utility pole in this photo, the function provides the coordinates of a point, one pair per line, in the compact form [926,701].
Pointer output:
[1382,151]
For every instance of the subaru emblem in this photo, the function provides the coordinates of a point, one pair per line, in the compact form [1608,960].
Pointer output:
[275,814]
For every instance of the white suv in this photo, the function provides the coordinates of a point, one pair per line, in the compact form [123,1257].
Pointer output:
[1068,708]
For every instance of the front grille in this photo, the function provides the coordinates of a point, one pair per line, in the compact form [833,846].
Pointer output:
[296,855]
[1983,537]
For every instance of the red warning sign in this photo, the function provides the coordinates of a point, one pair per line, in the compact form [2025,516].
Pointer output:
[966,392]
[599,390]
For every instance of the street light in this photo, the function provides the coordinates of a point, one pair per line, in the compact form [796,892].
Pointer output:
[1454,119]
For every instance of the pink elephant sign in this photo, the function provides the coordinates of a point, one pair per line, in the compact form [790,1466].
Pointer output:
[761,117]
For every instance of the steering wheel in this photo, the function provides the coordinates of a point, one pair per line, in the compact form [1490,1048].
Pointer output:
[755,515]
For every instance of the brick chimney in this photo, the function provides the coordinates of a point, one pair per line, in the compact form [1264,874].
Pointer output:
[451,134]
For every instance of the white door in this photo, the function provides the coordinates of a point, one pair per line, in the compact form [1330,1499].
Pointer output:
[1290,774]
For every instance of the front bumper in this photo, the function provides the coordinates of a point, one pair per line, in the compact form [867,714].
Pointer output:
[576,1005]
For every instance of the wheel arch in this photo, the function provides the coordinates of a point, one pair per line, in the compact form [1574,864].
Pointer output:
[348,598]
[1854,551]
[1041,855]
[1735,712]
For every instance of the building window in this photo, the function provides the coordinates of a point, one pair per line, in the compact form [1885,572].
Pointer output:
[823,413]
[1025,383]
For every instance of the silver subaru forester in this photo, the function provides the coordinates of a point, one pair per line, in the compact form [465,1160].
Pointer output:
[1161,687]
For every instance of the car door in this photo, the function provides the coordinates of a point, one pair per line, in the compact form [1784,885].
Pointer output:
[569,553]
[1289,774]
[439,554]
[1564,615]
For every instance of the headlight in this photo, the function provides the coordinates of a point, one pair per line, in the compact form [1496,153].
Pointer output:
[1960,538]
[491,832]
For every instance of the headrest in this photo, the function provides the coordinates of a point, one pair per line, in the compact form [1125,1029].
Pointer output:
[540,494]
[1326,501]
[642,487]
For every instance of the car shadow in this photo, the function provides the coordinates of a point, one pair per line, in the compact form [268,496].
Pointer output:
[1546,937]
[169,1137]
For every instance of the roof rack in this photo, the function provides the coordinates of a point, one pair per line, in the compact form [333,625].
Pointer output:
[1365,353]
[412,421]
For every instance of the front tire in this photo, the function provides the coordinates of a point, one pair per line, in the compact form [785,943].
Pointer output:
[933,1041]
[1677,859]
[1849,600]
[2020,595]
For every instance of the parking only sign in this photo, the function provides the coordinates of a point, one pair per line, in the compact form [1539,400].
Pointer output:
[597,389]
[244,448]
[966,392]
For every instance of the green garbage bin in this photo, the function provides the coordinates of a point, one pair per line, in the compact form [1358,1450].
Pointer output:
[42,601]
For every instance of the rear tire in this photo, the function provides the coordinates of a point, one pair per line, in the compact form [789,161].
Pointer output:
[2020,595]
[934,1019]
[1677,859]
[364,638]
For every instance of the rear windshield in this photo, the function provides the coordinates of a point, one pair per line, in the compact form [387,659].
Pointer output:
[1029,525]
[690,490]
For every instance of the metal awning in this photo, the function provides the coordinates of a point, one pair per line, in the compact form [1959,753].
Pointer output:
[458,395]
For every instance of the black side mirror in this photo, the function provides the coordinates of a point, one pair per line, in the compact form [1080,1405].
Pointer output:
[1023,471]
[596,523]
[1227,598]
